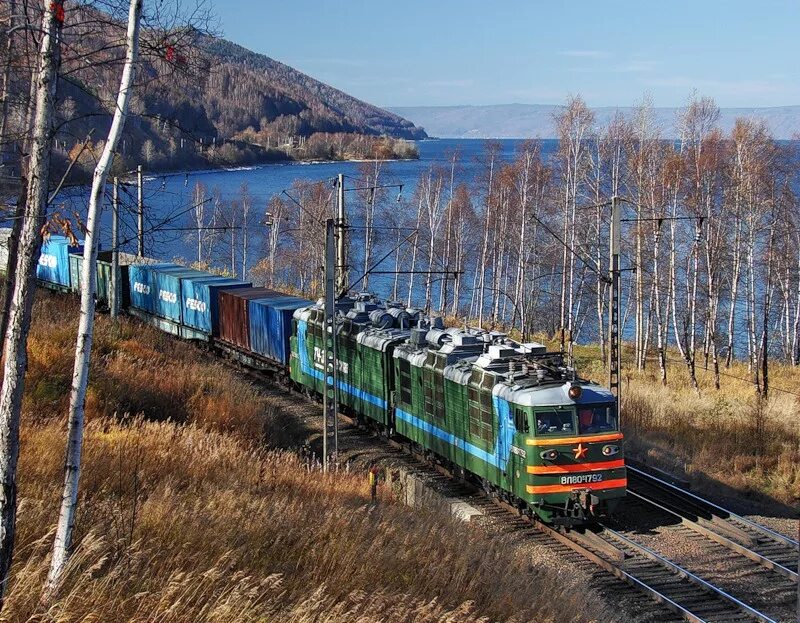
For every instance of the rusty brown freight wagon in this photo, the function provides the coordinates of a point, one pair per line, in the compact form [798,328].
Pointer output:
[234,315]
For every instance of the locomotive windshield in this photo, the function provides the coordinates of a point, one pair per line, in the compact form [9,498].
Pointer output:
[596,418]
[584,419]
[554,422]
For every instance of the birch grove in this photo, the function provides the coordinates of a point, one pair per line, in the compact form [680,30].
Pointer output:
[710,250]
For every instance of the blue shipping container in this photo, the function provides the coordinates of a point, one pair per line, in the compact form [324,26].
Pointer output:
[141,284]
[200,298]
[271,325]
[167,284]
[53,264]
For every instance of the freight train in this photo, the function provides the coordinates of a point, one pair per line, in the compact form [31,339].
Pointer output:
[509,415]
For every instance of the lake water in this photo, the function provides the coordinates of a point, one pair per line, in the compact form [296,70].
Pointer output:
[167,197]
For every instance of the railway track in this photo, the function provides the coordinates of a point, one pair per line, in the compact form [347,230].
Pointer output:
[682,593]
[771,550]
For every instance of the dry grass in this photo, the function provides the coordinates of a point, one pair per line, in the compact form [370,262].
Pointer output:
[184,524]
[137,369]
[192,518]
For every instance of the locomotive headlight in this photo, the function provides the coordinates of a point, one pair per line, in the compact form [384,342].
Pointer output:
[610,450]
[574,392]
[549,455]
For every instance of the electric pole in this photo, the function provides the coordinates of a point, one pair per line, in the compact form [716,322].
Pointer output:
[140,211]
[115,251]
[330,406]
[341,238]
[614,337]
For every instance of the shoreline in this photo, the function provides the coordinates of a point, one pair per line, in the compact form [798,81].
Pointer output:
[150,176]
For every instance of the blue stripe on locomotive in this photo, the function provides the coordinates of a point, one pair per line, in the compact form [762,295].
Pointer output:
[502,447]
[310,370]
[200,300]
[53,264]
[271,324]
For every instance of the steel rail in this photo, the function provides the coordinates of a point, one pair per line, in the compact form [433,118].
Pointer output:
[723,540]
[776,536]
[620,573]
[691,577]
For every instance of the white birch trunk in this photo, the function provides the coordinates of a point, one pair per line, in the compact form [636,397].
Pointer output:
[459,266]
[485,246]
[30,243]
[796,322]
[414,254]
[737,263]
[245,237]
[83,347]
[449,235]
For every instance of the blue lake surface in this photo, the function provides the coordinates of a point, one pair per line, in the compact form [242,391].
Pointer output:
[166,196]
[169,196]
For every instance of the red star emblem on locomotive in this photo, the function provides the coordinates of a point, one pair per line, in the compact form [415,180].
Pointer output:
[580,451]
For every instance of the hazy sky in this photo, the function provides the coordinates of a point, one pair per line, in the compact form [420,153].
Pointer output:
[434,52]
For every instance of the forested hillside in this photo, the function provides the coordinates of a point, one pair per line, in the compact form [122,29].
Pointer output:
[199,101]
[250,89]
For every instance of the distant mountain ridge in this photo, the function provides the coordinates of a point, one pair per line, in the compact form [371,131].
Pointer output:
[536,120]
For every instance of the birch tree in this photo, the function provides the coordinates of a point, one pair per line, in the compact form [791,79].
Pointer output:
[463,217]
[247,201]
[453,158]
[431,193]
[83,347]
[369,199]
[14,351]
[573,126]
[275,215]
[492,155]
[199,215]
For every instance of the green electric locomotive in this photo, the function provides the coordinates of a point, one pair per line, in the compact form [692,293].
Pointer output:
[510,415]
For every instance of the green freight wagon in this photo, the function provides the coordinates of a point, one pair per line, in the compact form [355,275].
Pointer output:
[104,282]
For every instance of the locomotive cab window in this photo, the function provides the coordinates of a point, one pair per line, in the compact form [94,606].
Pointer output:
[555,422]
[596,418]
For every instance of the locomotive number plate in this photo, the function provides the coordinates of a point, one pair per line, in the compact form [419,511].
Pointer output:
[582,479]
[519,451]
